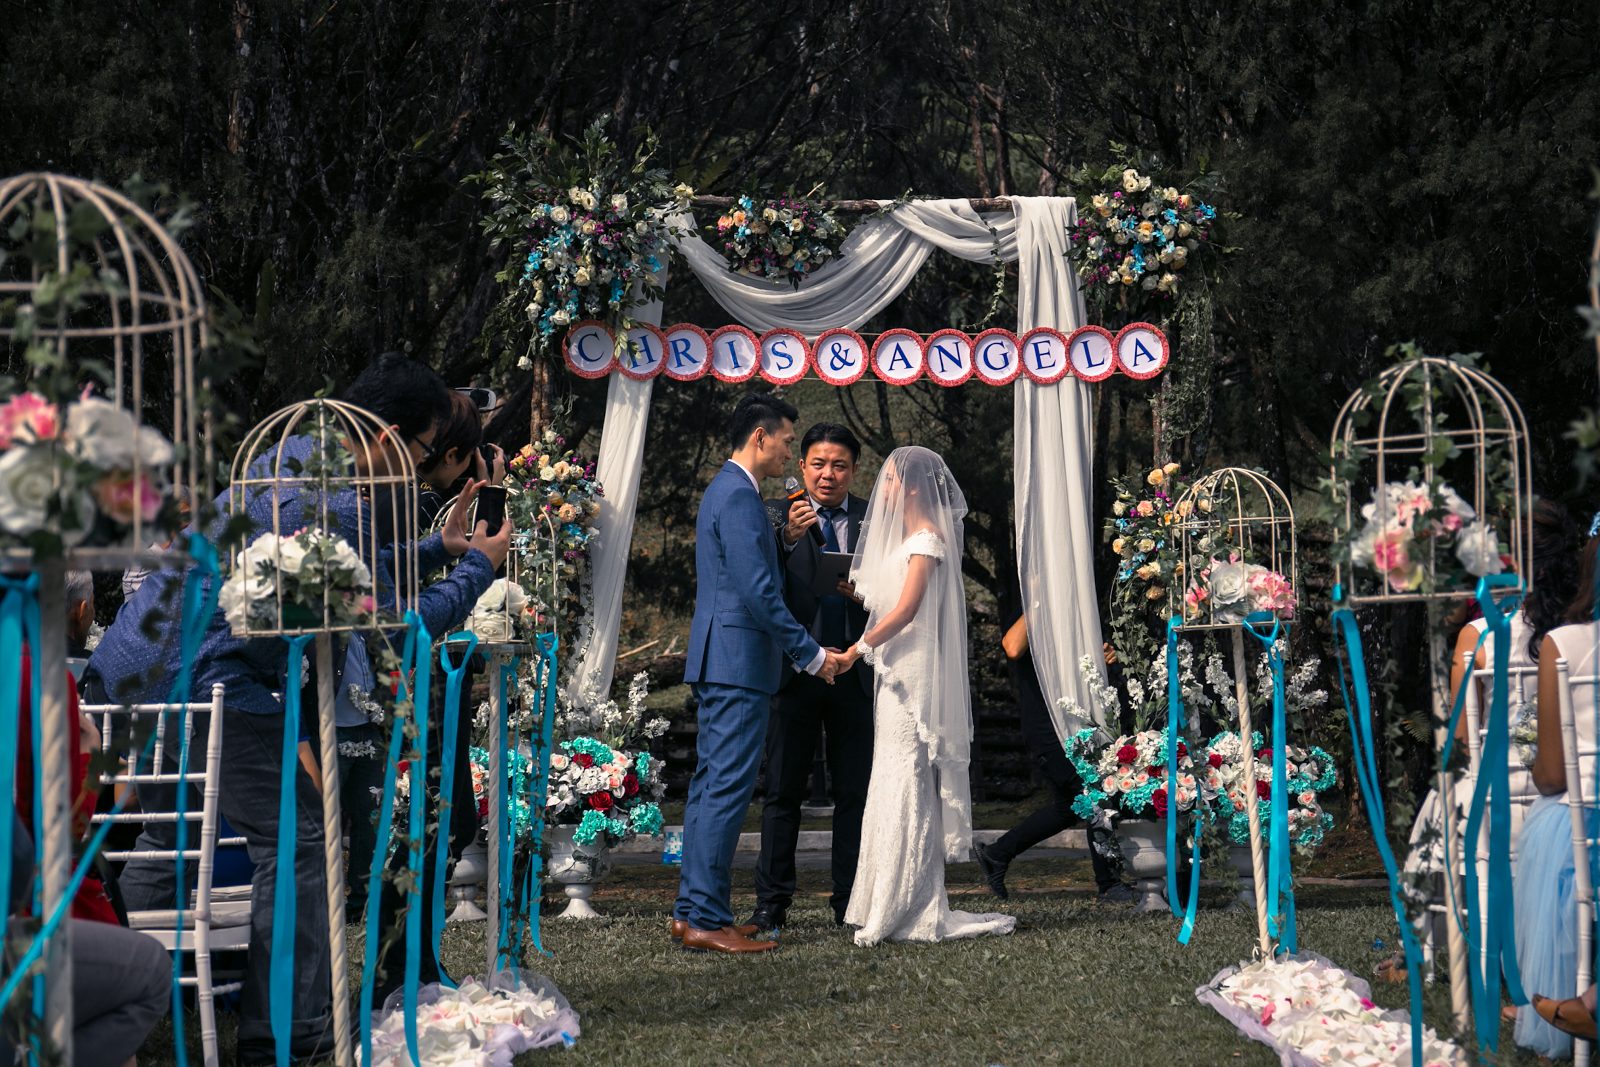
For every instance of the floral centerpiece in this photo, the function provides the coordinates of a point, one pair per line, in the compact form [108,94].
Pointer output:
[1232,589]
[1136,239]
[602,779]
[1413,522]
[67,478]
[317,572]
[1310,772]
[1128,776]
[778,239]
[518,767]
[584,230]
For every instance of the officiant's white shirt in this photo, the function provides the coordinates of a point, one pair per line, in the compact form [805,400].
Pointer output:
[822,654]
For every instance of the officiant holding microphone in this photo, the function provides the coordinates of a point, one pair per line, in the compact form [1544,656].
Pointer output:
[817,525]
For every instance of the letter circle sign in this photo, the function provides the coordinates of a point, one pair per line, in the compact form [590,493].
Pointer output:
[688,353]
[1093,351]
[897,358]
[735,354]
[949,357]
[783,357]
[641,355]
[995,357]
[590,349]
[1141,350]
[1044,355]
[840,357]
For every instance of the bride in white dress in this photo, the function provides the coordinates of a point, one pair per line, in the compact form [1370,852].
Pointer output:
[907,569]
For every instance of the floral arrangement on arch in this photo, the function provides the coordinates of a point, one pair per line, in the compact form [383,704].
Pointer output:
[778,239]
[1140,530]
[1226,591]
[602,777]
[1414,521]
[67,477]
[1310,773]
[1136,237]
[584,230]
[557,483]
[314,569]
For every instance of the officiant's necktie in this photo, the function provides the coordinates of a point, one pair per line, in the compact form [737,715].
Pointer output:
[831,610]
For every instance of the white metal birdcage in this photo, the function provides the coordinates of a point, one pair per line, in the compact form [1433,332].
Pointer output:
[92,279]
[322,467]
[1237,549]
[1432,475]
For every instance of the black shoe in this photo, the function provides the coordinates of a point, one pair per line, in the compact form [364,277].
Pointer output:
[1120,893]
[838,913]
[766,917]
[994,872]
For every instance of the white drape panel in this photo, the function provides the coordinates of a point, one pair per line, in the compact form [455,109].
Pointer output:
[1053,430]
[617,468]
[878,260]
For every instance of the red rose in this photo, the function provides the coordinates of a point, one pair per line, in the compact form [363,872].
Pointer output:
[630,784]
[1264,790]
[600,801]
[1127,754]
[402,767]
[584,760]
[1215,760]
[483,808]
[1183,750]
[1158,800]
[1265,755]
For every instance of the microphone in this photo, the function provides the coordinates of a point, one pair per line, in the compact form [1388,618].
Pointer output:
[796,491]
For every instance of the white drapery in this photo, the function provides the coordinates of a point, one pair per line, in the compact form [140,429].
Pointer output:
[1052,423]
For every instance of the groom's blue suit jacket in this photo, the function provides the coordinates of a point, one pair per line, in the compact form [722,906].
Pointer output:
[742,630]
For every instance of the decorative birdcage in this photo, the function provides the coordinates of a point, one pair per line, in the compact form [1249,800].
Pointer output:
[1236,531]
[508,611]
[102,318]
[1431,466]
[331,493]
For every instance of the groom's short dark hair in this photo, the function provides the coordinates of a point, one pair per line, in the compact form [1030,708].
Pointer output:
[831,433]
[758,411]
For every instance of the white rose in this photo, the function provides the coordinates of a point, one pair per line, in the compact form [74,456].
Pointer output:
[547,474]
[682,191]
[525,363]
[493,598]
[582,277]
[1130,180]
[619,203]
[559,215]
[106,436]
[561,317]
[575,195]
[1479,550]
[1229,585]
[587,201]
[27,482]
[288,555]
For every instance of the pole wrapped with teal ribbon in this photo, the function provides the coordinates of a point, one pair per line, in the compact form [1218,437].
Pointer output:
[1492,790]
[416,827]
[416,655]
[545,647]
[1280,873]
[454,676]
[1175,723]
[1347,634]
[505,890]
[19,609]
[280,974]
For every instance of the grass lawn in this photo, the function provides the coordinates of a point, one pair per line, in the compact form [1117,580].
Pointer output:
[1078,983]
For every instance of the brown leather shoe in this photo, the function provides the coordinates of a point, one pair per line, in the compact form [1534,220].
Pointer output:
[727,939]
[679,926]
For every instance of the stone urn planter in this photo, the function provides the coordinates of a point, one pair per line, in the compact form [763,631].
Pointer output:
[576,868]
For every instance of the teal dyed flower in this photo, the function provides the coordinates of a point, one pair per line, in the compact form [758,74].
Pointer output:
[647,820]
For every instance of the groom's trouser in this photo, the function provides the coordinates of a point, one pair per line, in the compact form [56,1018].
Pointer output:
[732,727]
[844,714]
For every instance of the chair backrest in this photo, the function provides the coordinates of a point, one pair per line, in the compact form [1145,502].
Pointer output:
[174,726]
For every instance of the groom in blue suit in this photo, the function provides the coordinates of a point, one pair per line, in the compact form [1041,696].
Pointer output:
[742,640]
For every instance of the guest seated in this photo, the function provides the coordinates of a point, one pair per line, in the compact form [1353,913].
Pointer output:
[1546,909]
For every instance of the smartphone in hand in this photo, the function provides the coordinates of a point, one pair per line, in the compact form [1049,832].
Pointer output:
[491,508]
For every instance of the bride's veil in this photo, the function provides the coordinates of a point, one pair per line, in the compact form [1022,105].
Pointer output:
[916,492]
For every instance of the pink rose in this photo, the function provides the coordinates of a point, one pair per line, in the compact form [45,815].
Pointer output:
[1146,508]
[27,418]
[1391,552]
[120,495]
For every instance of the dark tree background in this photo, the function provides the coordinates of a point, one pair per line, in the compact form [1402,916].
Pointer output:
[1399,170]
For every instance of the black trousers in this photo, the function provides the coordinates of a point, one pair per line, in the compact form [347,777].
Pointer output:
[844,713]
[1039,733]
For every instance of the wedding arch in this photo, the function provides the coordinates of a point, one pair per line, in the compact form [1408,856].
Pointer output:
[1052,423]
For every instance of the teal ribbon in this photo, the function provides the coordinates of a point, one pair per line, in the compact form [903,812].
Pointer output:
[504,890]
[418,643]
[546,646]
[454,676]
[280,975]
[1492,790]
[18,607]
[1347,634]
[1280,873]
[418,774]
[1175,722]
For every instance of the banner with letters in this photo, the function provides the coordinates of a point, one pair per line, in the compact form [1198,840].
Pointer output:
[685,352]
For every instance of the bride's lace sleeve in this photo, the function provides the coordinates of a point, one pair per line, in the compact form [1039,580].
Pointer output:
[925,543]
